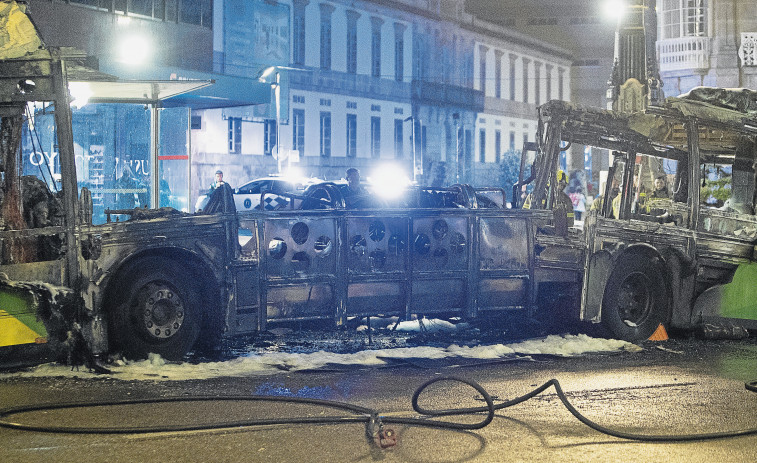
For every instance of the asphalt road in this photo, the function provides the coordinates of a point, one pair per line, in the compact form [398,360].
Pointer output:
[675,387]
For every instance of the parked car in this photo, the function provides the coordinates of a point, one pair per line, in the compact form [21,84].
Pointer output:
[247,196]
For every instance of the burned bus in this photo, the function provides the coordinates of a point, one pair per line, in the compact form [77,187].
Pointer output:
[684,255]
[156,279]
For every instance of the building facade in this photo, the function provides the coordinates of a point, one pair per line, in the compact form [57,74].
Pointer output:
[586,29]
[420,84]
[707,42]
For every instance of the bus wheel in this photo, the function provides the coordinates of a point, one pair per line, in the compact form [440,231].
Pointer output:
[635,301]
[154,309]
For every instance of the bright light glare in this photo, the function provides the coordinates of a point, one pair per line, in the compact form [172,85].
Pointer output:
[614,9]
[134,49]
[294,175]
[389,181]
[80,93]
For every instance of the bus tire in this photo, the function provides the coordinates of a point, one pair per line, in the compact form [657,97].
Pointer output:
[154,309]
[635,300]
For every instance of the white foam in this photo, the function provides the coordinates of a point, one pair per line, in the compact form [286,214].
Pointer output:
[156,368]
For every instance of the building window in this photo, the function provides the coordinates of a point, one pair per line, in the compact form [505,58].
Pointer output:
[420,58]
[326,11]
[525,140]
[498,74]
[269,137]
[298,33]
[560,78]
[512,77]
[375,137]
[352,105]
[376,24]
[351,135]
[352,17]
[482,68]
[325,134]
[549,82]
[199,12]
[512,141]
[298,130]
[683,18]
[537,83]
[235,135]
[468,69]
[482,145]
[398,140]
[497,146]
[525,80]
[399,52]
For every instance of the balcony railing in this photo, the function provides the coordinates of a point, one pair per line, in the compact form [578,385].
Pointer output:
[748,49]
[434,93]
[685,53]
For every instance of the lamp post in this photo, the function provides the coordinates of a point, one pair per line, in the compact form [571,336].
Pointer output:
[277,95]
[456,118]
[276,87]
[412,135]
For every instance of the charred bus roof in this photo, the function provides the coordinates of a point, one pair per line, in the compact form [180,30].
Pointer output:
[725,119]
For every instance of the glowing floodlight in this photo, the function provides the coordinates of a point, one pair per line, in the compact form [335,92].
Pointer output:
[389,181]
[614,9]
[134,50]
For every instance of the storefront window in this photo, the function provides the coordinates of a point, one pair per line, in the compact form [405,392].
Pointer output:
[173,159]
[112,145]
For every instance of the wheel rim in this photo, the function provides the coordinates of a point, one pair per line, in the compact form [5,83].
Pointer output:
[160,310]
[635,299]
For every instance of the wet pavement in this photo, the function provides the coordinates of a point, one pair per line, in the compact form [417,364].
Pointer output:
[681,386]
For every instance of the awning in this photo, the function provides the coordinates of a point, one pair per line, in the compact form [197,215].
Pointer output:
[139,91]
[225,91]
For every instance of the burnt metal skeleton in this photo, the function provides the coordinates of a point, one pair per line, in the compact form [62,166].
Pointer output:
[685,260]
[161,280]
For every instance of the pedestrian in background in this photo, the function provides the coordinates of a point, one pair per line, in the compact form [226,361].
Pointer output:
[217,182]
[578,200]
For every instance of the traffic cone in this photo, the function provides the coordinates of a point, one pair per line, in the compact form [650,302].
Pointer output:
[660,334]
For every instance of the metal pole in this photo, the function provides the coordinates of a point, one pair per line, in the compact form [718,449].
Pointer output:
[154,182]
[189,161]
[456,118]
[457,153]
[415,162]
[277,91]
[412,135]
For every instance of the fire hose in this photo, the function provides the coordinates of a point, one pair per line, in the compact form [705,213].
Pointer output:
[375,424]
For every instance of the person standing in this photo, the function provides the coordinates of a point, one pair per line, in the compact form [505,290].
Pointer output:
[578,200]
[220,196]
[353,192]
[217,182]
[126,187]
[562,200]
[661,187]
